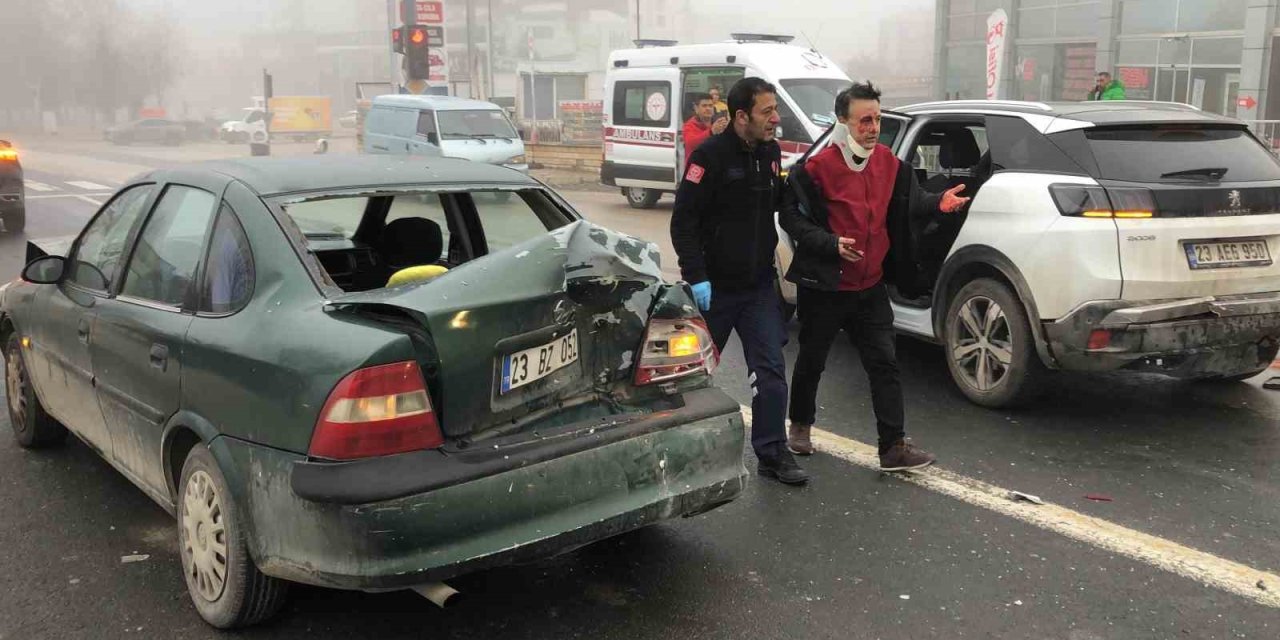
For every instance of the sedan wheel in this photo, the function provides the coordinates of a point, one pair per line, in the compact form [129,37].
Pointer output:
[32,426]
[222,581]
[204,537]
[991,350]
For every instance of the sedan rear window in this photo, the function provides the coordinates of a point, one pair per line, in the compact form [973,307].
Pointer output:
[1181,154]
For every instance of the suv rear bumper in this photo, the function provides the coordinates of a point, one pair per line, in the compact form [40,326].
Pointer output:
[1193,337]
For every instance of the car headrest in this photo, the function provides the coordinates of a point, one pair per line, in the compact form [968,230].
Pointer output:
[420,273]
[409,242]
[960,151]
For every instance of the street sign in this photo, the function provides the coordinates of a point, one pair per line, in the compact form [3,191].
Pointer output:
[1246,102]
[427,12]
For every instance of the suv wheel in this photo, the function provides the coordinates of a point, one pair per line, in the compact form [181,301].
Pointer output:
[641,198]
[224,585]
[991,351]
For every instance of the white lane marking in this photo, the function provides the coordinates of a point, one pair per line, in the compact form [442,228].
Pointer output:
[39,186]
[90,200]
[91,186]
[1205,568]
[69,195]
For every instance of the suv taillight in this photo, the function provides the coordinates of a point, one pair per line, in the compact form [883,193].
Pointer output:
[1086,201]
[377,411]
[674,349]
[8,155]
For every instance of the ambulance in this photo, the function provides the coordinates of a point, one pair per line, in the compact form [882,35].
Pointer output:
[648,97]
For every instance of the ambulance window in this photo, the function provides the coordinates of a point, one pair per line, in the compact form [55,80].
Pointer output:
[792,127]
[642,103]
[703,79]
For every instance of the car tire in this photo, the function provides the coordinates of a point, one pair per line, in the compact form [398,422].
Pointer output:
[209,521]
[640,197]
[15,221]
[33,427]
[992,357]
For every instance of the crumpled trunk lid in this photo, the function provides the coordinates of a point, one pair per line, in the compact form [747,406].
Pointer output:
[581,283]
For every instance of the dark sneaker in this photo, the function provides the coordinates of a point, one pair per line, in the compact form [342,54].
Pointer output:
[904,456]
[798,439]
[780,465]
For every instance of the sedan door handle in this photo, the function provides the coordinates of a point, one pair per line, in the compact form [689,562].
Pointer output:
[159,356]
[82,330]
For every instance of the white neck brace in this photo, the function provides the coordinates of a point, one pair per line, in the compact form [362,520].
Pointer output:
[849,148]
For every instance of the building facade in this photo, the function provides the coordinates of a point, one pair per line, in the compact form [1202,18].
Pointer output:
[1218,55]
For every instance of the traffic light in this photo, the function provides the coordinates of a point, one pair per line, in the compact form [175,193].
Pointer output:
[414,40]
[397,40]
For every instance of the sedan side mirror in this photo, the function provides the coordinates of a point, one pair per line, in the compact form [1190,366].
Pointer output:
[46,270]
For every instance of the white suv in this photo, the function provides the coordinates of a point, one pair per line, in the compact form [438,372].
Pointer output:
[1102,236]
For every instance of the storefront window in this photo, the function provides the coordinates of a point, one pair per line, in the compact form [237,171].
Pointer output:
[1137,52]
[1218,15]
[1077,20]
[1036,23]
[1217,51]
[966,72]
[1055,72]
[1148,16]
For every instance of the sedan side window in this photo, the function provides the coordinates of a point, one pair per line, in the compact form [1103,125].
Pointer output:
[102,246]
[511,218]
[164,262]
[228,273]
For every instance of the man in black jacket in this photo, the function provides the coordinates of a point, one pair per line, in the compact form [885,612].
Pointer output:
[852,209]
[722,230]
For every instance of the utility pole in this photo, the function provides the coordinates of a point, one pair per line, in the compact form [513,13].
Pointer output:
[489,49]
[391,46]
[637,19]
[471,52]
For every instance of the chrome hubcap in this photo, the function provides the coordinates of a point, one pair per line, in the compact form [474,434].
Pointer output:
[15,380]
[635,195]
[204,537]
[981,344]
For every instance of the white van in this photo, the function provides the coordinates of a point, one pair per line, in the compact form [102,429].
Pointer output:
[443,126]
[648,95]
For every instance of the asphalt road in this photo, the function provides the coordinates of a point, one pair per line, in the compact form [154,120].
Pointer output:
[855,554]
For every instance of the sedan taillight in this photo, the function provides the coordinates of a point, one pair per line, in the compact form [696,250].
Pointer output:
[377,411]
[674,349]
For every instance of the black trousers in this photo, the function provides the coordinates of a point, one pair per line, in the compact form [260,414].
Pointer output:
[868,319]
[756,314]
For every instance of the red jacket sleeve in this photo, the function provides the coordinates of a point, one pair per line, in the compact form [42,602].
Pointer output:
[693,136]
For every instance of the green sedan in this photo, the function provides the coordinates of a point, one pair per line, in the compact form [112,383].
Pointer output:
[368,373]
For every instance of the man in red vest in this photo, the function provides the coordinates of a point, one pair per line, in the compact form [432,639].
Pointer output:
[699,127]
[850,209]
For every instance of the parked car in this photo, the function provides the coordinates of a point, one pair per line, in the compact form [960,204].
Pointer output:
[1102,236]
[13,203]
[154,130]
[443,126]
[268,349]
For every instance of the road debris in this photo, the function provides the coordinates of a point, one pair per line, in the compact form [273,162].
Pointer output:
[905,597]
[134,558]
[1018,495]
[1272,384]
[1262,585]
[1098,497]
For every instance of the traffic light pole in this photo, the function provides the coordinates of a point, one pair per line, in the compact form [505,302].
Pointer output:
[392,24]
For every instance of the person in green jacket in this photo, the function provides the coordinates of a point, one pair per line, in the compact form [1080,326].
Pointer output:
[1107,89]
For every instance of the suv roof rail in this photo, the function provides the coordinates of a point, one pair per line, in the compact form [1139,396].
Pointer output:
[761,37]
[984,103]
[1166,103]
[641,43]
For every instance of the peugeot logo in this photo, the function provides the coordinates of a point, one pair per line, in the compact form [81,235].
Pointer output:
[1233,198]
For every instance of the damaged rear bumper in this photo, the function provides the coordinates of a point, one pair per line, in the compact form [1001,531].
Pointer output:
[1195,337]
[521,513]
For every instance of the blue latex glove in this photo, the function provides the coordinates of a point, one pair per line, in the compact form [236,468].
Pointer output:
[702,295]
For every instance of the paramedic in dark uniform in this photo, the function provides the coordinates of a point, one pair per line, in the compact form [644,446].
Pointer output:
[723,233]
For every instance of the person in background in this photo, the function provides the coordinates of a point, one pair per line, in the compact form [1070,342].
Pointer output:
[723,233]
[1106,88]
[699,127]
[721,109]
[850,209]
